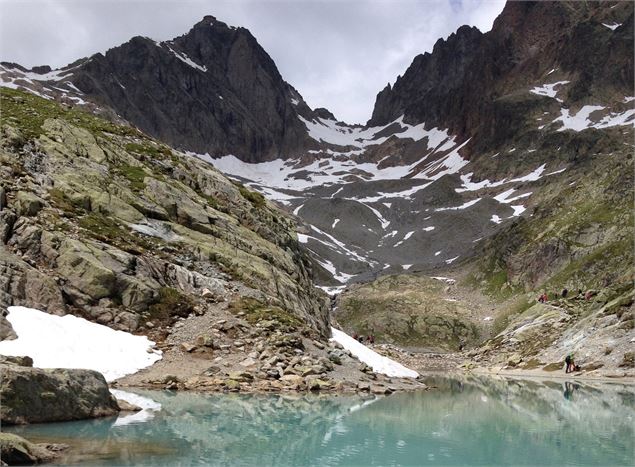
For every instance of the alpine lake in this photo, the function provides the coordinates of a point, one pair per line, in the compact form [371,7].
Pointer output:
[469,420]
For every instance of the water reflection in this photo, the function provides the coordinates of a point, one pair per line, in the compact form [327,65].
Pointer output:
[468,421]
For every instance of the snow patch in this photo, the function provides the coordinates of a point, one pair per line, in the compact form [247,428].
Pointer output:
[612,26]
[187,60]
[148,407]
[462,206]
[548,90]
[378,363]
[72,342]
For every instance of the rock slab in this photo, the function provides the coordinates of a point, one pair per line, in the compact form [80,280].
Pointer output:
[35,395]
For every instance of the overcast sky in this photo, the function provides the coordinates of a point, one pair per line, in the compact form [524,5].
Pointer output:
[337,53]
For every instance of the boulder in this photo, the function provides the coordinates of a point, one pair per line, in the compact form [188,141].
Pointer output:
[28,204]
[15,450]
[241,376]
[126,406]
[35,395]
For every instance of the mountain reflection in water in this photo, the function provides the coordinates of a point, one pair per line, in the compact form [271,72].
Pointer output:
[466,421]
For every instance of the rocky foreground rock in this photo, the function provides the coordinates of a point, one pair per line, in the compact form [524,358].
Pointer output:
[15,450]
[34,395]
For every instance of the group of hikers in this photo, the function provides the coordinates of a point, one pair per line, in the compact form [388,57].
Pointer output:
[370,339]
[544,298]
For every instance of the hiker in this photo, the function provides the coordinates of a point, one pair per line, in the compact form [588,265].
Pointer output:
[361,339]
[371,339]
[541,298]
[565,292]
[570,364]
[355,336]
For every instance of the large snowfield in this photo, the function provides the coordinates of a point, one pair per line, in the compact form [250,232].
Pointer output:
[72,342]
[378,363]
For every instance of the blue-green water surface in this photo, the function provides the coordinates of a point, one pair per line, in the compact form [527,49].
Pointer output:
[468,421]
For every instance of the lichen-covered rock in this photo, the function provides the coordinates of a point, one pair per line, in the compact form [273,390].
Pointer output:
[122,219]
[35,395]
[28,204]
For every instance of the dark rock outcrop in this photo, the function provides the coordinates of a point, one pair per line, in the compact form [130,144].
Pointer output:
[34,395]
[470,81]
[213,90]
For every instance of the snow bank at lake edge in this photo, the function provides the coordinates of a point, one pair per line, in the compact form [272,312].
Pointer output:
[378,363]
[71,342]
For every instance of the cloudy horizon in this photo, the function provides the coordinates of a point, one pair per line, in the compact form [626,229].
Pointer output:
[337,53]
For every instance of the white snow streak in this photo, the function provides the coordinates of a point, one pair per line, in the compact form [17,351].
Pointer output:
[378,363]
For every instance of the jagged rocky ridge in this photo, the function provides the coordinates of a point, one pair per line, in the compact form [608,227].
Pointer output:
[477,133]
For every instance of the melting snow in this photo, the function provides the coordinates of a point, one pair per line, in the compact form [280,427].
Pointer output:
[451,260]
[406,266]
[148,407]
[335,223]
[612,26]
[378,363]
[495,219]
[463,206]
[72,342]
[548,90]
[185,59]
[581,121]
[329,131]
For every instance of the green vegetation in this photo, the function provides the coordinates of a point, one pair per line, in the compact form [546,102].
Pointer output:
[256,311]
[60,200]
[253,197]
[407,310]
[107,230]
[171,303]
[152,150]
[29,112]
[135,176]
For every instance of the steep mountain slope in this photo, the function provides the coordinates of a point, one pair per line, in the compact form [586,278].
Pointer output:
[100,220]
[488,129]
[213,90]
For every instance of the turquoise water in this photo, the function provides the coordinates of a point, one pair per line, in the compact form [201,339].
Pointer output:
[476,421]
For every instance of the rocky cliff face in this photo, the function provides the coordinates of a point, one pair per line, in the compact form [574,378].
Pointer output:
[213,90]
[101,221]
[470,81]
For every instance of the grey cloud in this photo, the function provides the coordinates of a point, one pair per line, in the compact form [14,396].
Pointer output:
[338,54]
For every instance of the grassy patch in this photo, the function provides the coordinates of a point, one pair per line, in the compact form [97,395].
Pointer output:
[171,303]
[135,176]
[253,197]
[151,150]
[60,200]
[256,311]
[29,112]
[107,230]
